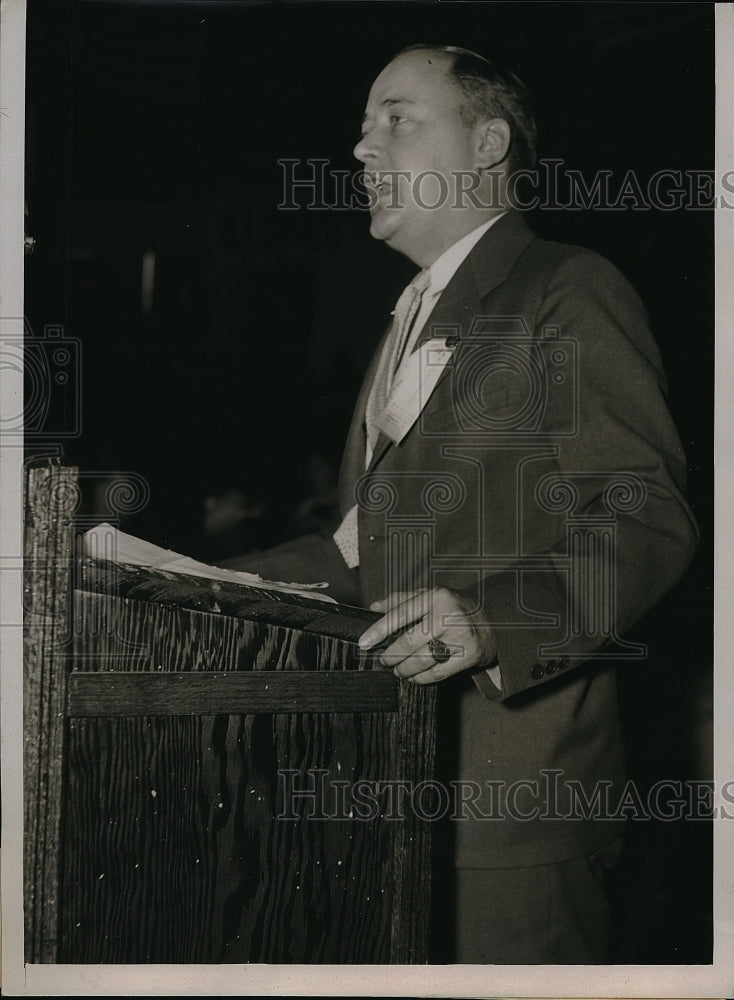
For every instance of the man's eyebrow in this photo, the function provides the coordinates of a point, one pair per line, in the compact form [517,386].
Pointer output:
[389,101]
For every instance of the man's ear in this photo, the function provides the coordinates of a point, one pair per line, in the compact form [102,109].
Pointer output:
[493,142]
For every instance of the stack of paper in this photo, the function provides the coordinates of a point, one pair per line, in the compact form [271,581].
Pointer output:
[108,543]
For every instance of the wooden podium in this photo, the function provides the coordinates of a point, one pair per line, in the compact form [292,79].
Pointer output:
[213,773]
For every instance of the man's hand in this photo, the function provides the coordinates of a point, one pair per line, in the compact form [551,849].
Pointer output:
[429,615]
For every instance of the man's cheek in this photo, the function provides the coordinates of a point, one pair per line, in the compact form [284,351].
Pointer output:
[431,189]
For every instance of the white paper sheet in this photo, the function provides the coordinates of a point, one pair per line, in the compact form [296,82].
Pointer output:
[104,541]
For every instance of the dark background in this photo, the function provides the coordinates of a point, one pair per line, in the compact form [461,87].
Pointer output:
[157,127]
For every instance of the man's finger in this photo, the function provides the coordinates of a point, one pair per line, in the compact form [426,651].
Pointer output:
[393,599]
[422,667]
[398,617]
[412,643]
[439,672]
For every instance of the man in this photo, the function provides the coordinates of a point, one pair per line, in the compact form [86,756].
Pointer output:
[512,492]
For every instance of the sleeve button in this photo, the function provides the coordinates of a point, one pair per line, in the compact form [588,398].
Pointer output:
[537,672]
[551,667]
[563,663]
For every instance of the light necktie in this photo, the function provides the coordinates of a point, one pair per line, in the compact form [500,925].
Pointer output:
[406,309]
[404,315]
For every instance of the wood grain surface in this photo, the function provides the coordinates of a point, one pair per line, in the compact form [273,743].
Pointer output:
[183,844]
[50,500]
[217,692]
[240,836]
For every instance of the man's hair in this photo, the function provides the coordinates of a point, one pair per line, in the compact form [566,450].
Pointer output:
[491,91]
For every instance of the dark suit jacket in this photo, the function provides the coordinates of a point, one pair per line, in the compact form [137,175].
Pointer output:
[544,480]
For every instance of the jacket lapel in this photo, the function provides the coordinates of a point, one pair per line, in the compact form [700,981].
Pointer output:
[488,265]
[352,467]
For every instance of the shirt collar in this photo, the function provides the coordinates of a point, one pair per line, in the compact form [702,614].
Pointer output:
[445,267]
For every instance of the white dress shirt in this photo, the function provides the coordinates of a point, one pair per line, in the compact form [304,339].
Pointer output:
[441,272]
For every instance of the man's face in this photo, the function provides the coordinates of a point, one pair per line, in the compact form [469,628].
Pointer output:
[412,124]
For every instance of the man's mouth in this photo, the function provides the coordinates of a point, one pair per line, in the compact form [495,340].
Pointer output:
[378,184]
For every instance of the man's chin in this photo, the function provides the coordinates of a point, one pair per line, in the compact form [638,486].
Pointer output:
[385,223]
[396,229]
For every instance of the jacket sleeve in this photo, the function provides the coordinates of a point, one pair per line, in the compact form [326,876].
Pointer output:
[623,467]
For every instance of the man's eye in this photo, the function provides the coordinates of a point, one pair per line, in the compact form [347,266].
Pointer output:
[396,119]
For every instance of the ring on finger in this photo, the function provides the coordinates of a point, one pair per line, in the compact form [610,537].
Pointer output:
[439,650]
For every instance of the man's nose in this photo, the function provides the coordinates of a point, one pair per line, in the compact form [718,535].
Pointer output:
[366,148]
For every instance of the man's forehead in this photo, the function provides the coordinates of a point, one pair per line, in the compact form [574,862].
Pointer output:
[418,75]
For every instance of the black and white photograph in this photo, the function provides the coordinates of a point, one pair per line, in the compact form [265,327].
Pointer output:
[364,395]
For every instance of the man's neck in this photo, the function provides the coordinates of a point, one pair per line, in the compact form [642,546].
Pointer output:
[426,257]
